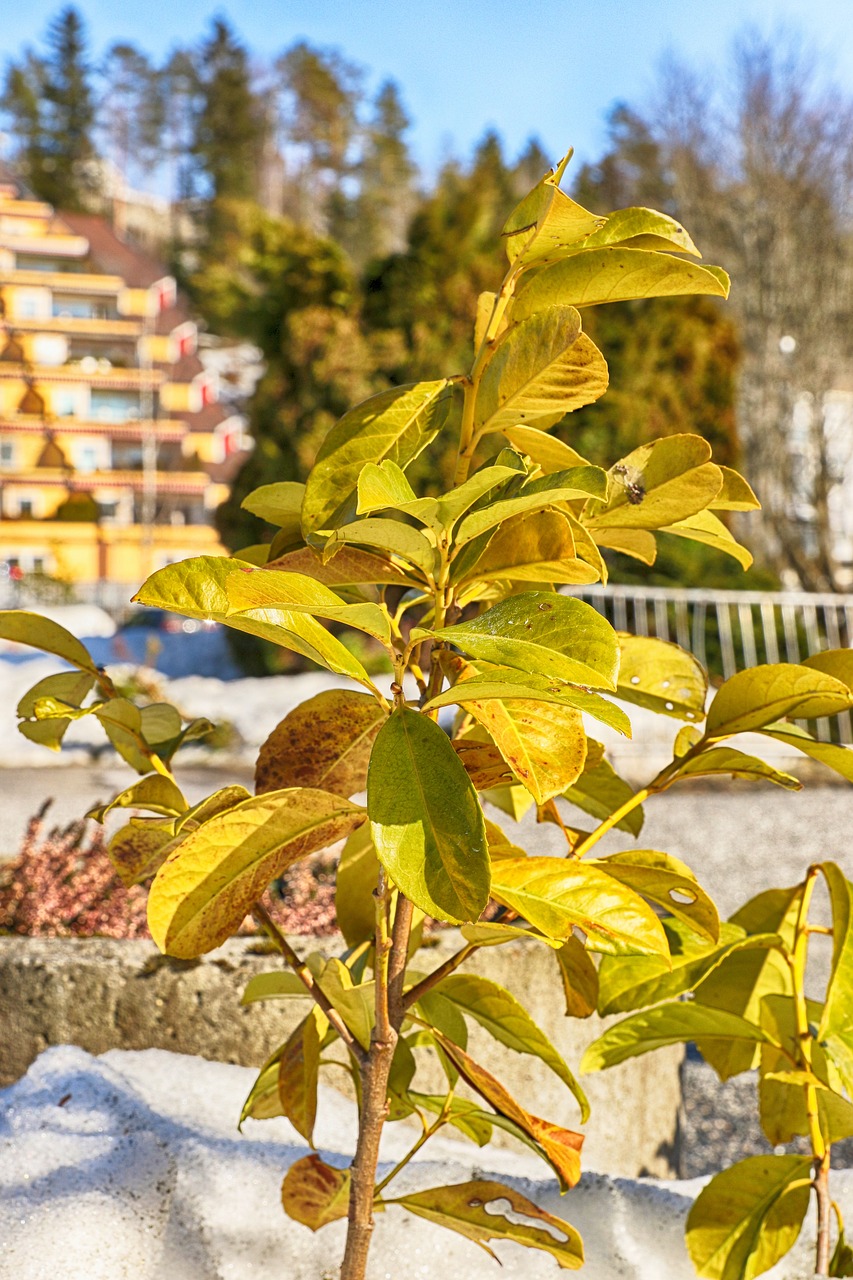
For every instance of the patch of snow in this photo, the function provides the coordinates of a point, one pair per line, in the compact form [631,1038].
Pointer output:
[130,1165]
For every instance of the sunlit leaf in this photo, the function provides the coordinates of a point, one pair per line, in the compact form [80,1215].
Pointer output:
[204,889]
[661,677]
[198,588]
[560,1147]
[347,567]
[508,1022]
[557,896]
[357,877]
[561,487]
[547,223]
[737,764]
[541,369]
[391,537]
[155,794]
[756,697]
[600,791]
[666,880]
[298,1073]
[735,495]
[382,485]
[658,484]
[276,589]
[579,977]
[549,453]
[426,820]
[836,1024]
[708,529]
[613,274]
[675,1023]
[279,504]
[643,229]
[69,687]
[22,627]
[748,1216]
[396,424]
[465,1208]
[547,634]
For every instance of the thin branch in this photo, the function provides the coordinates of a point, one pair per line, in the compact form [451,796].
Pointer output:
[432,979]
[306,977]
[398,959]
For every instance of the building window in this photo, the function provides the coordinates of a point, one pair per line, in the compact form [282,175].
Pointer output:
[7,453]
[86,458]
[25,509]
[115,406]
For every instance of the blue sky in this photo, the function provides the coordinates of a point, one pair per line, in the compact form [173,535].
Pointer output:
[550,68]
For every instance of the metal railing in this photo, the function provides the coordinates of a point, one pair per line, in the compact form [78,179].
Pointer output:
[730,630]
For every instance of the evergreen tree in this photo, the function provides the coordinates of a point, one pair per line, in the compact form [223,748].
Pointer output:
[132,110]
[230,122]
[50,105]
[381,212]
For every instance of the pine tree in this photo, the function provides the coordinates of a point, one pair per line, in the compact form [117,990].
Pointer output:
[132,110]
[386,200]
[230,123]
[50,105]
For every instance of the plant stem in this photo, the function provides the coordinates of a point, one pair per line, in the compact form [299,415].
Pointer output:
[307,979]
[426,984]
[391,956]
[615,818]
[824,1209]
[413,1151]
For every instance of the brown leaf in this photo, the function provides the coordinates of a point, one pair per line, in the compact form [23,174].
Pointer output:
[561,1147]
[315,1193]
[325,742]
[483,763]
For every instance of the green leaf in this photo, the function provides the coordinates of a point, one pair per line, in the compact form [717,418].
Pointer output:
[69,687]
[600,791]
[539,547]
[122,723]
[155,793]
[550,491]
[391,536]
[396,424]
[275,589]
[781,1090]
[839,759]
[547,223]
[549,453]
[756,697]
[354,1003]
[743,980]
[658,484]
[315,1193]
[508,1022]
[661,677]
[298,1073]
[643,229]
[426,820]
[557,896]
[543,633]
[841,1262]
[199,588]
[357,877]
[673,1023]
[22,627]
[560,1147]
[279,985]
[748,1216]
[669,882]
[579,977]
[727,760]
[487,934]
[264,1101]
[507,683]
[325,742]
[204,889]
[465,1116]
[614,274]
[450,506]
[542,369]
[464,1207]
[836,1024]
[708,529]
[381,485]
[279,504]
[632,982]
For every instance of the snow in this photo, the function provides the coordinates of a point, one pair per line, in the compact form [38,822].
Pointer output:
[130,1165]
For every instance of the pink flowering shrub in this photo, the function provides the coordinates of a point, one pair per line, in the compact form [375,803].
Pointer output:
[62,884]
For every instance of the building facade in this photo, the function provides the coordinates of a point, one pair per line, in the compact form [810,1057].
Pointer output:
[115,449]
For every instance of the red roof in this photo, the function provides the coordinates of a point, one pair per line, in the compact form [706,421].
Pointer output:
[112,256]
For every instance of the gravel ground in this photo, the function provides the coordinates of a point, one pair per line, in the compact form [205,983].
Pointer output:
[719,1123]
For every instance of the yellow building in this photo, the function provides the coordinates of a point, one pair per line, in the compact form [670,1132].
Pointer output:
[114,448]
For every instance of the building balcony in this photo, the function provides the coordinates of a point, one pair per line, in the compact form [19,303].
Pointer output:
[71,282]
[183,482]
[128,379]
[171,429]
[81,326]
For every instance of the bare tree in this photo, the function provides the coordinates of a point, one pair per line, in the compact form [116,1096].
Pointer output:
[761,164]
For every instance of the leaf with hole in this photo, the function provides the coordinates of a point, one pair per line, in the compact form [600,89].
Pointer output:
[667,881]
[465,1207]
[558,896]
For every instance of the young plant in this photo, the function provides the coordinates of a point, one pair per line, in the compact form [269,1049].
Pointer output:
[461,592]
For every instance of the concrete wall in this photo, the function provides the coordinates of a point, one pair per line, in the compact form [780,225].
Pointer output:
[102,994]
